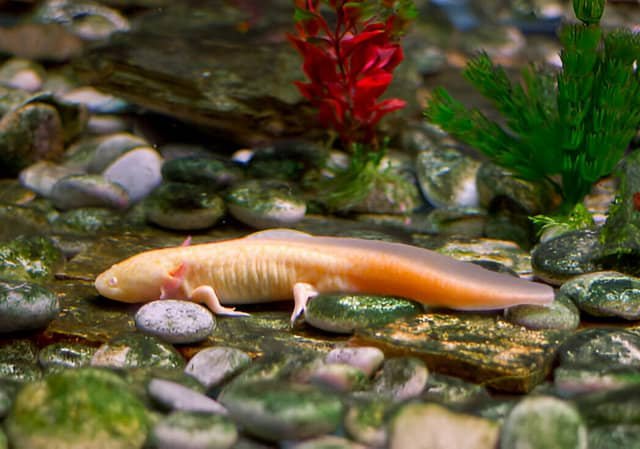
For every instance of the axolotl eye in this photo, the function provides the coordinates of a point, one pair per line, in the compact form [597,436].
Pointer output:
[112,282]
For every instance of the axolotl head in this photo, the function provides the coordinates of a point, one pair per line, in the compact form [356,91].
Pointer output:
[137,279]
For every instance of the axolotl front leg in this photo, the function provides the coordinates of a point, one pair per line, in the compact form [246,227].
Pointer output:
[206,294]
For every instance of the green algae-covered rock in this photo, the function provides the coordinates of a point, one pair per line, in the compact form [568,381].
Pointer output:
[560,314]
[432,426]
[213,173]
[265,204]
[77,409]
[194,430]
[605,294]
[602,408]
[133,350]
[559,259]
[184,207]
[621,233]
[478,347]
[29,259]
[345,313]
[282,410]
[25,306]
[543,422]
[615,436]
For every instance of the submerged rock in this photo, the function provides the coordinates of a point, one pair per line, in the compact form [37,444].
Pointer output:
[265,204]
[346,313]
[77,409]
[621,231]
[175,321]
[560,314]
[184,207]
[137,350]
[193,431]
[33,259]
[25,306]
[605,294]
[477,347]
[559,259]
[283,411]
[432,426]
[77,191]
[543,422]
[447,177]
[29,134]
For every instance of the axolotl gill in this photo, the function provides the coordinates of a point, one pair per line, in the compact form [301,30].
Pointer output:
[281,264]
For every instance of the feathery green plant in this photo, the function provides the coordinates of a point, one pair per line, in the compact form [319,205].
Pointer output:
[569,129]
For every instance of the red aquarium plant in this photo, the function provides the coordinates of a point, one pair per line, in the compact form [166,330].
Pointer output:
[349,61]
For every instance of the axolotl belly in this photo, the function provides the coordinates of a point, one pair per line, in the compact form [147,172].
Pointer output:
[282,264]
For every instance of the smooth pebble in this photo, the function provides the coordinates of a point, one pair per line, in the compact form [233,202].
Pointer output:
[175,321]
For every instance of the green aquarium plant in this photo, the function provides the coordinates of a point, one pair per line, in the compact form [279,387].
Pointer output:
[350,49]
[569,128]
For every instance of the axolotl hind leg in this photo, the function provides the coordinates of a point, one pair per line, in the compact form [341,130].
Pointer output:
[302,292]
[206,295]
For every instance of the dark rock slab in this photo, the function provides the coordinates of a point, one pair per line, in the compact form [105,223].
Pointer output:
[199,64]
[481,348]
[85,316]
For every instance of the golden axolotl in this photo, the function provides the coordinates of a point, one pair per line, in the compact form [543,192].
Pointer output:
[280,264]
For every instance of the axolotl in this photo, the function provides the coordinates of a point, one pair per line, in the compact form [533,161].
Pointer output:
[281,264]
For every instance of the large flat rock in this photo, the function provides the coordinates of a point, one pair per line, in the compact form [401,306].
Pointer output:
[482,348]
[226,67]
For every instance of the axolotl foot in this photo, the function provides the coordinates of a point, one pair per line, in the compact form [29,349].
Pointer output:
[205,294]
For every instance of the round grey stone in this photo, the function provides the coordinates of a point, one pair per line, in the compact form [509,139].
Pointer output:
[184,207]
[193,431]
[277,411]
[95,101]
[568,255]
[543,423]
[433,426]
[175,396]
[22,74]
[346,313]
[137,171]
[109,148]
[137,351]
[605,294]
[401,378]
[77,191]
[43,175]
[25,306]
[560,314]
[366,358]
[447,177]
[212,366]
[175,321]
[339,377]
[265,204]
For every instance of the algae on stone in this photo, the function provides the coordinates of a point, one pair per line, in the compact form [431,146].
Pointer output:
[77,409]
[481,348]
